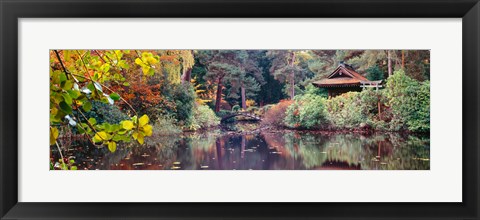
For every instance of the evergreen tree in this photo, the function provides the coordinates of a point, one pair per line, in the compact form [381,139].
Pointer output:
[285,68]
[375,73]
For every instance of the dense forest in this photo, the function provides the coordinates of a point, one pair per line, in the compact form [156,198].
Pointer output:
[107,98]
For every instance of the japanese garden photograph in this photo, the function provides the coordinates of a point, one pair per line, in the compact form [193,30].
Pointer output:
[305,109]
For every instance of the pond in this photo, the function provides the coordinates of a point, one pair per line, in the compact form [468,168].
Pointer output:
[264,150]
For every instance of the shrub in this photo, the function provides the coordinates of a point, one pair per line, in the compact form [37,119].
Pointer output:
[313,90]
[275,114]
[184,97]
[165,125]
[308,112]
[236,108]
[409,101]
[205,117]
[103,112]
[369,99]
[345,110]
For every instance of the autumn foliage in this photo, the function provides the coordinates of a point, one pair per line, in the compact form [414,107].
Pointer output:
[275,115]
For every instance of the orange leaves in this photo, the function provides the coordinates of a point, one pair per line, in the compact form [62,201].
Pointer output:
[169,58]
[276,114]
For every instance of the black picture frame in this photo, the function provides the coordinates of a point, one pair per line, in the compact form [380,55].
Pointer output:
[12,10]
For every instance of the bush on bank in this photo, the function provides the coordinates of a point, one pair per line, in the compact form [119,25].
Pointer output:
[404,106]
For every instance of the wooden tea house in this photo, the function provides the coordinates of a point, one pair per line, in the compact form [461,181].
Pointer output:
[345,79]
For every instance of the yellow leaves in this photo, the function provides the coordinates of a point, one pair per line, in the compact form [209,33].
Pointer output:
[112,146]
[66,55]
[138,136]
[250,102]
[53,111]
[148,130]
[143,120]
[138,61]
[101,136]
[147,62]
[144,129]
[53,135]
[147,70]
[149,58]
[138,128]
[127,125]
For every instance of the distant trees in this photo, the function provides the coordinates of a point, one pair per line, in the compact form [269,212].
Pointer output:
[285,67]
[222,66]
[267,76]
[235,73]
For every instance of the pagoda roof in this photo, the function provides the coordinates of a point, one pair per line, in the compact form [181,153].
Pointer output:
[342,76]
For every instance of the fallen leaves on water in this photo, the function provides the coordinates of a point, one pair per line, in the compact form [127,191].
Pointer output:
[421,159]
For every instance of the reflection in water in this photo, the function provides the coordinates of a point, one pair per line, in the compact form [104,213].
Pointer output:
[267,150]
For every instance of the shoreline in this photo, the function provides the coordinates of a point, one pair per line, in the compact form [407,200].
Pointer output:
[223,129]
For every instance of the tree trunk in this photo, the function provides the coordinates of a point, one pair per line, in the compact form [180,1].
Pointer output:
[389,62]
[187,73]
[218,99]
[403,59]
[244,104]
[292,77]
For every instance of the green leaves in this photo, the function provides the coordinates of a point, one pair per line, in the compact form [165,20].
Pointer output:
[63,77]
[74,94]
[67,85]
[87,106]
[105,68]
[66,108]
[115,96]
[92,121]
[67,98]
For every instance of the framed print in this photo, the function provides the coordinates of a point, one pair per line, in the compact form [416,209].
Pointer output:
[255,110]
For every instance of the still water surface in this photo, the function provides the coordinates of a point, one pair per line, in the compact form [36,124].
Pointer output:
[266,150]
